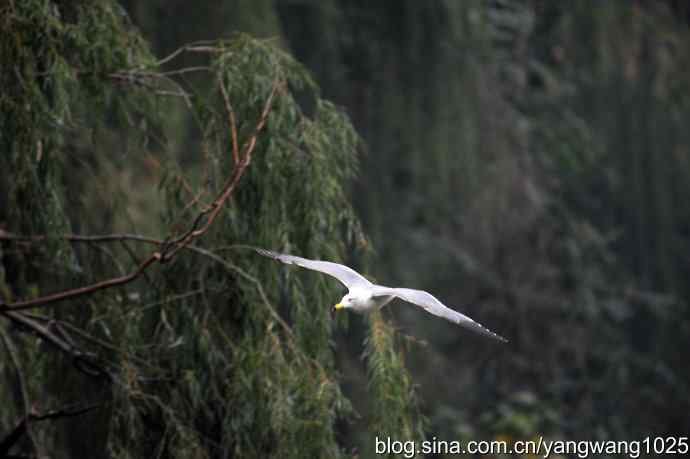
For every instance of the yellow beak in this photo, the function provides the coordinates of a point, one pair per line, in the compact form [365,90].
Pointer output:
[338,306]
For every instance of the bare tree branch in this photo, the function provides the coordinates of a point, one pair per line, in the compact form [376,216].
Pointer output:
[168,249]
[23,425]
[231,116]
[80,291]
[115,237]
[83,361]
[21,385]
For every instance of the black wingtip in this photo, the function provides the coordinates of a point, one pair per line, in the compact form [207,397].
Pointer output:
[482,330]
[266,253]
[493,335]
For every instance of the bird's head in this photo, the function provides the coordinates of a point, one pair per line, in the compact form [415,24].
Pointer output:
[345,303]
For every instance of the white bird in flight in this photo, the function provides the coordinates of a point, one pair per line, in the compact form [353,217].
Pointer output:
[363,296]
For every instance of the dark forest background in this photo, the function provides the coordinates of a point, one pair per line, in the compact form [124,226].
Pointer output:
[526,161]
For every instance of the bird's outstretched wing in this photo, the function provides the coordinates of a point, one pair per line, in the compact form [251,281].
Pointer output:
[348,276]
[432,305]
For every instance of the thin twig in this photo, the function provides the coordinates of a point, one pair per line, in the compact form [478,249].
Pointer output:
[23,425]
[198,68]
[201,251]
[80,291]
[83,361]
[214,209]
[249,145]
[21,384]
[233,124]
[167,251]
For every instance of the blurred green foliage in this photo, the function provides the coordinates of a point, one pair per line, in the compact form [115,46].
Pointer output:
[219,352]
[527,161]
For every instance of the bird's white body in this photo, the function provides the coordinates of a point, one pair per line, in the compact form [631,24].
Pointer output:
[360,300]
[363,296]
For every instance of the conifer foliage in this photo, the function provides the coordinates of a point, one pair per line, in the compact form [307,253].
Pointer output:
[177,341]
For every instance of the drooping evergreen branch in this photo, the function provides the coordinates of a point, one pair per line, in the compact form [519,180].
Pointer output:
[185,378]
[230,185]
[169,248]
[27,321]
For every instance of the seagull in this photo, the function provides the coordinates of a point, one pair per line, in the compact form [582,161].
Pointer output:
[363,296]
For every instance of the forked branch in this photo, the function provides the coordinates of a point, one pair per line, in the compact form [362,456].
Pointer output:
[170,248]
